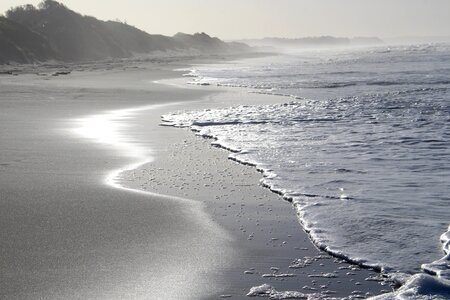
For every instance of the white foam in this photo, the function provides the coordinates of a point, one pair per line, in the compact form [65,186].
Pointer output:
[420,287]
[378,134]
[268,291]
[283,275]
[261,290]
[242,130]
[441,267]
[323,275]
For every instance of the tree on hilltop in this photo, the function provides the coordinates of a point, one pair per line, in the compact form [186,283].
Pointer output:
[49,4]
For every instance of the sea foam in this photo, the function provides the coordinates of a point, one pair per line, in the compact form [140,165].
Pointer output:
[366,139]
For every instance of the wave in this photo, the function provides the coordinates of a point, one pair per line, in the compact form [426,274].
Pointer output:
[311,84]
[205,122]
[377,118]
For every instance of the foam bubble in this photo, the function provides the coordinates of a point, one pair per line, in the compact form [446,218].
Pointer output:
[420,287]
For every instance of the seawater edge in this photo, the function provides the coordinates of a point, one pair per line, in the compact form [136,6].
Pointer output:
[398,278]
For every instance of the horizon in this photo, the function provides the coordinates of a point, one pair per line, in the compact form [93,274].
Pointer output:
[285,19]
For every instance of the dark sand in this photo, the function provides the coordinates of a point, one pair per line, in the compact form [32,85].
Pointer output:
[66,234]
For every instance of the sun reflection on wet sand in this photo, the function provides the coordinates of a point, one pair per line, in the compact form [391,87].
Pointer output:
[109,128]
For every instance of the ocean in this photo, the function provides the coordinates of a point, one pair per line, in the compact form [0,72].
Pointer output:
[361,146]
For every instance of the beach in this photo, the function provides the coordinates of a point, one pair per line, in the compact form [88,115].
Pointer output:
[138,210]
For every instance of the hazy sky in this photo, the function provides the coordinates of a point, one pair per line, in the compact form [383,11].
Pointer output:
[231,19]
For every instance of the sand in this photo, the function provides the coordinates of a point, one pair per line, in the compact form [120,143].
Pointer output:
[197,225]
[263,226]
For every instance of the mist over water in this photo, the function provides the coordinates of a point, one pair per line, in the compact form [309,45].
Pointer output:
[361,145]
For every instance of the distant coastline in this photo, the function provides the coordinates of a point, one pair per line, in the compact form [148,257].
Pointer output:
[313,42]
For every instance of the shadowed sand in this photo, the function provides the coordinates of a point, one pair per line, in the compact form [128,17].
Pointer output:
[74,227]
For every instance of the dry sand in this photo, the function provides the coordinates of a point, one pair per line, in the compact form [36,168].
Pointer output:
[68,235]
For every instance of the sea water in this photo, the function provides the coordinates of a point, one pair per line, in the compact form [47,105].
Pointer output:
[361,146]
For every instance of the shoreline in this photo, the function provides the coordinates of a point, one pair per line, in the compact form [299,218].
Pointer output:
[435,271]
[136,179]
[104,242]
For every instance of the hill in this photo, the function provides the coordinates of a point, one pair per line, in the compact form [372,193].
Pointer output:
[18,43]
[52,31]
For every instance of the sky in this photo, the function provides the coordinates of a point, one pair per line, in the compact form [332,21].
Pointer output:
[236,19]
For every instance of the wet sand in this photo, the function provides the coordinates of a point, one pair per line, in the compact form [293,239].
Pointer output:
[273,247]
[68,234]
[65,233]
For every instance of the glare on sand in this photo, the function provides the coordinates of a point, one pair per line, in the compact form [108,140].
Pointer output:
[109,129]
[113,129]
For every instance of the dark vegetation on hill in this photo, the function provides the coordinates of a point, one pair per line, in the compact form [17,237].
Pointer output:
[53,32]
[19,44]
